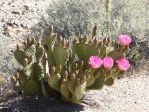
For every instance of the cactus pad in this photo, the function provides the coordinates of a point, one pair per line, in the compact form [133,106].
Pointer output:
[20,56]
[84,51]
[54,81]
[60,55]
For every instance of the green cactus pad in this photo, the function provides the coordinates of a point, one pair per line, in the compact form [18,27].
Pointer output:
[80,90]
[115,54]
[134,54]
[22,79]
[30,50]
[48,44]
[84,51]
[72,85]
[37,71]
[26,71]
[109,81]
[90,80]
[32,87]
[98,84]
[64,90]
[60,55]
[20,56]
[50,58]
[39,52]
[49,41]
[75,100]
[54,81]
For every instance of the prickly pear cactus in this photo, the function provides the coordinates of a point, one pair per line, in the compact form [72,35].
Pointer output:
[28,78]
[69,67]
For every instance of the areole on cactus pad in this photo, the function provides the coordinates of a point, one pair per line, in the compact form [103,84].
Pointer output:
[68,68]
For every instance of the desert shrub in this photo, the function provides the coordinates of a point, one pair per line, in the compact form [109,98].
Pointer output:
[113,17]
[76,17]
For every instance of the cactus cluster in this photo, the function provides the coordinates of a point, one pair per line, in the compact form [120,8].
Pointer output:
[61,66]
[30,56]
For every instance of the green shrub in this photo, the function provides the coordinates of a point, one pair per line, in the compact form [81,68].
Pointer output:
[76,17]
[113,17]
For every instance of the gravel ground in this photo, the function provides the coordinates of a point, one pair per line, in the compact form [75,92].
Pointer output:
[16,23]
[126,95]
[21,18]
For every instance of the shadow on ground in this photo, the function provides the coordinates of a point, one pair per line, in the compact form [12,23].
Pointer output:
[37,104]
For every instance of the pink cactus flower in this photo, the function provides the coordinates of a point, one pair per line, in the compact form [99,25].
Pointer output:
[108,62]
[123,64]
[95,62]
[124,40]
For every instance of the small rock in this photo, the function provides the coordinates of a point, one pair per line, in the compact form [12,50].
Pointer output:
[9,24]
[15,12]
[26,7]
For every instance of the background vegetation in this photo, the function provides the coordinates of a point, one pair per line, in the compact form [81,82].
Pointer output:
[76,17]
